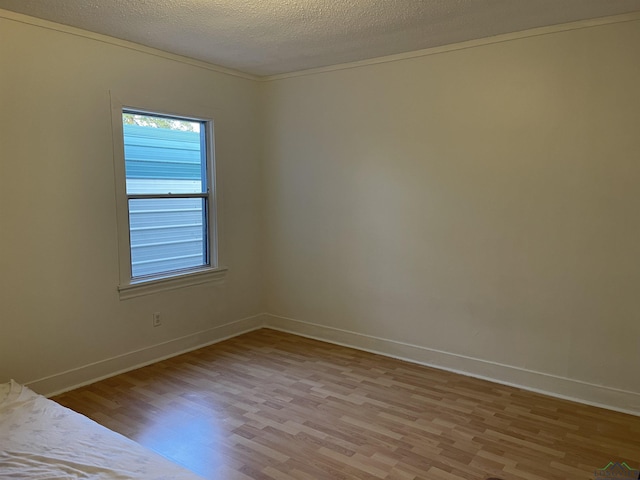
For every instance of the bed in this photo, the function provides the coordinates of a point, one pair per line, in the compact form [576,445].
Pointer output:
[40,439]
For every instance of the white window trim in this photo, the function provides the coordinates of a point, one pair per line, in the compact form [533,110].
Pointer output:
[129,287]
[137,288]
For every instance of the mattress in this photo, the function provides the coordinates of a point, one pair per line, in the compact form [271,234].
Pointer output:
[40,439]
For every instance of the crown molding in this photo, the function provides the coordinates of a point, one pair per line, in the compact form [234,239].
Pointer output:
[506,37]
[98,37]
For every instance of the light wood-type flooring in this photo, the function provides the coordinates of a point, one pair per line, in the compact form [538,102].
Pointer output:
[270,405]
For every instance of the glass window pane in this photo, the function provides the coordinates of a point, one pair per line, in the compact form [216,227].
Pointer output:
[163,155]
[167,234]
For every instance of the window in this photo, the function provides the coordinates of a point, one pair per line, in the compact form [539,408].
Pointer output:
[165,162]
[166,200]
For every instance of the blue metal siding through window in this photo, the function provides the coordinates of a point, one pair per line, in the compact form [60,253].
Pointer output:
[166,234]
[160,153]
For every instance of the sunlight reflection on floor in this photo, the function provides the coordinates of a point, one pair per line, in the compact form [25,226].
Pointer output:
[186,439]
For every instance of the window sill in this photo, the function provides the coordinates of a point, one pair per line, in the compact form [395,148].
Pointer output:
[148,286]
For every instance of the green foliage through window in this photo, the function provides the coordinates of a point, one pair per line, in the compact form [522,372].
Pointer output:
[159,122]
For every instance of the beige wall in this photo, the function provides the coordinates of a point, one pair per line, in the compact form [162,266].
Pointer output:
[60,308]
[482,203]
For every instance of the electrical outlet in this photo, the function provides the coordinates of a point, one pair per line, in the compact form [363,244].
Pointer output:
[156,319]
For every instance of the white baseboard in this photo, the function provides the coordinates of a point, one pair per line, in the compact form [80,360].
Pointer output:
[93,372]
[552,385]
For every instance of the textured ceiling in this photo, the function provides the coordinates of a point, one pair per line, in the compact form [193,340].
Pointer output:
[267,37]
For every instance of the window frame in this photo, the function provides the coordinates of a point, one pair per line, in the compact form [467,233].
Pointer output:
[129,286]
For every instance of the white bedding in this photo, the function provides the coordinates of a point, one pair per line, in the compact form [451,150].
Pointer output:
[40,439]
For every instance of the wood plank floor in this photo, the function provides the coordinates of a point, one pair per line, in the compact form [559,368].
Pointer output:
[269,405]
